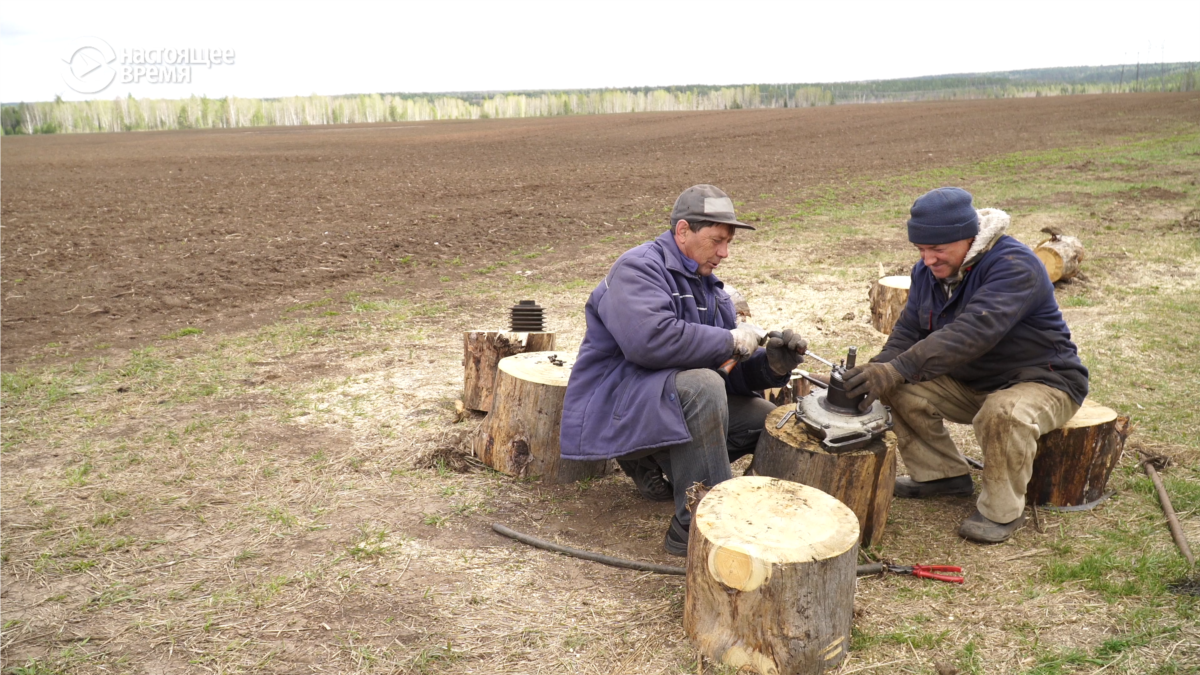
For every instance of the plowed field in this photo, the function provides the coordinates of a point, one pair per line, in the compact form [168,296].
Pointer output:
[123,237]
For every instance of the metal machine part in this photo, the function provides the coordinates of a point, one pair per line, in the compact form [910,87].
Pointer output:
[835,417]
[526,317]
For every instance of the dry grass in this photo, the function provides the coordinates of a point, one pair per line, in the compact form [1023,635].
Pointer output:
[295,499]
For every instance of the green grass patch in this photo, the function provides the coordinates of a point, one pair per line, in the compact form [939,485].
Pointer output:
[370,541]
[1118,564]
[911,634]
[183,332]
[1165,363]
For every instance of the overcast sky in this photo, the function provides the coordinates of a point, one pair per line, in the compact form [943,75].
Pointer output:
[345,46]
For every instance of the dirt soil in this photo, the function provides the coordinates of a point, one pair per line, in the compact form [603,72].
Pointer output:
[121,238]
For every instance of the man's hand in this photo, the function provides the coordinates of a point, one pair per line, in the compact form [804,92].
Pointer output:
[874,380]
[785,351]
[745,341]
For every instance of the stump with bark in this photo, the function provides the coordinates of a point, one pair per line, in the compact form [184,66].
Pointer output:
[888,296]
[1073,463]
[483,350]
[519,437]
[1061,254]
[796,387]
[770,577]
[861,479]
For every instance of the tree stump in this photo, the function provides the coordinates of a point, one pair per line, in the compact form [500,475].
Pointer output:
[861,479]
[770,577]
[740,306]
[1073,463]
[519,437]
[888,297]
[482,351]
[1061,254]
[787,394]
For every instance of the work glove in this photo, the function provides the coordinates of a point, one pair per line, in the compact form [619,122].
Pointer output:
[874,380]
[745,341]
[785,351]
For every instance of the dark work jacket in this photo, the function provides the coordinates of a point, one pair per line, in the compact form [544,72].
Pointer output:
[648,319]
[1001,326]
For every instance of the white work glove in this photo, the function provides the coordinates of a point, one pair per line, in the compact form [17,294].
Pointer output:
[745,341]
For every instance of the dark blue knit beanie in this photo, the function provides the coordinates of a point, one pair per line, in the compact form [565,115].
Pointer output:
[942,216]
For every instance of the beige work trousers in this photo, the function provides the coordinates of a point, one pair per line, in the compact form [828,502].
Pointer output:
[1007,425]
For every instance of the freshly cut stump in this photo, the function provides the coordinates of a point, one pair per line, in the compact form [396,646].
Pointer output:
[519,437]
[862,479]
[1061,254]
[1073,463]
[888,297]
[482,351]
[770,577]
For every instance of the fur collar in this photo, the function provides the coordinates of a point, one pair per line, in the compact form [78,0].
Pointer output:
[992,225]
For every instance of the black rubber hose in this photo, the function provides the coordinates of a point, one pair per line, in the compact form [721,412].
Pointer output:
[863,570]
[587,555]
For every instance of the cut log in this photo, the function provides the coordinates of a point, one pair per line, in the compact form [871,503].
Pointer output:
[482,351]
[862,479]
[519,437]
[1073,463]
[796,387]
[1061,254]
[770,577]
[888,297]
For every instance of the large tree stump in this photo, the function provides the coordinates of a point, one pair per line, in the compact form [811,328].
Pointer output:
[1073,463]
[770,577]
[862,479]
[482,351]
[1061,254]
[519,437]
[888,297]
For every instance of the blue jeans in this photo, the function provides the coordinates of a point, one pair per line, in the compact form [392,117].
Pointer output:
[723,428]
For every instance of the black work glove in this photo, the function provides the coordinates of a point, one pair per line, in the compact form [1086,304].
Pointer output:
[874,380]
[785,351]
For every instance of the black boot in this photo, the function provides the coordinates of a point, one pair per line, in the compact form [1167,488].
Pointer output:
[648,478]
[676,540]
[957,486]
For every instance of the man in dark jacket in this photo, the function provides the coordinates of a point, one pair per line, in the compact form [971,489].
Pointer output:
[648,388]
[981,341]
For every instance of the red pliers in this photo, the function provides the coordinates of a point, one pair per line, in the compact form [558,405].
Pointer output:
[927,571]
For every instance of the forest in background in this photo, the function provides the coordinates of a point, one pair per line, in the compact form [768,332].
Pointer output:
[199,112]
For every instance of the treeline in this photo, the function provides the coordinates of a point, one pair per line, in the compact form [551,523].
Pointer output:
[130,114]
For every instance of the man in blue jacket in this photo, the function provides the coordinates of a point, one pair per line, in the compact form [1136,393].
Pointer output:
[981,341]
[647,387]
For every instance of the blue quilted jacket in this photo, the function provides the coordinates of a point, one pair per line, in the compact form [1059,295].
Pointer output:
[648,319]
